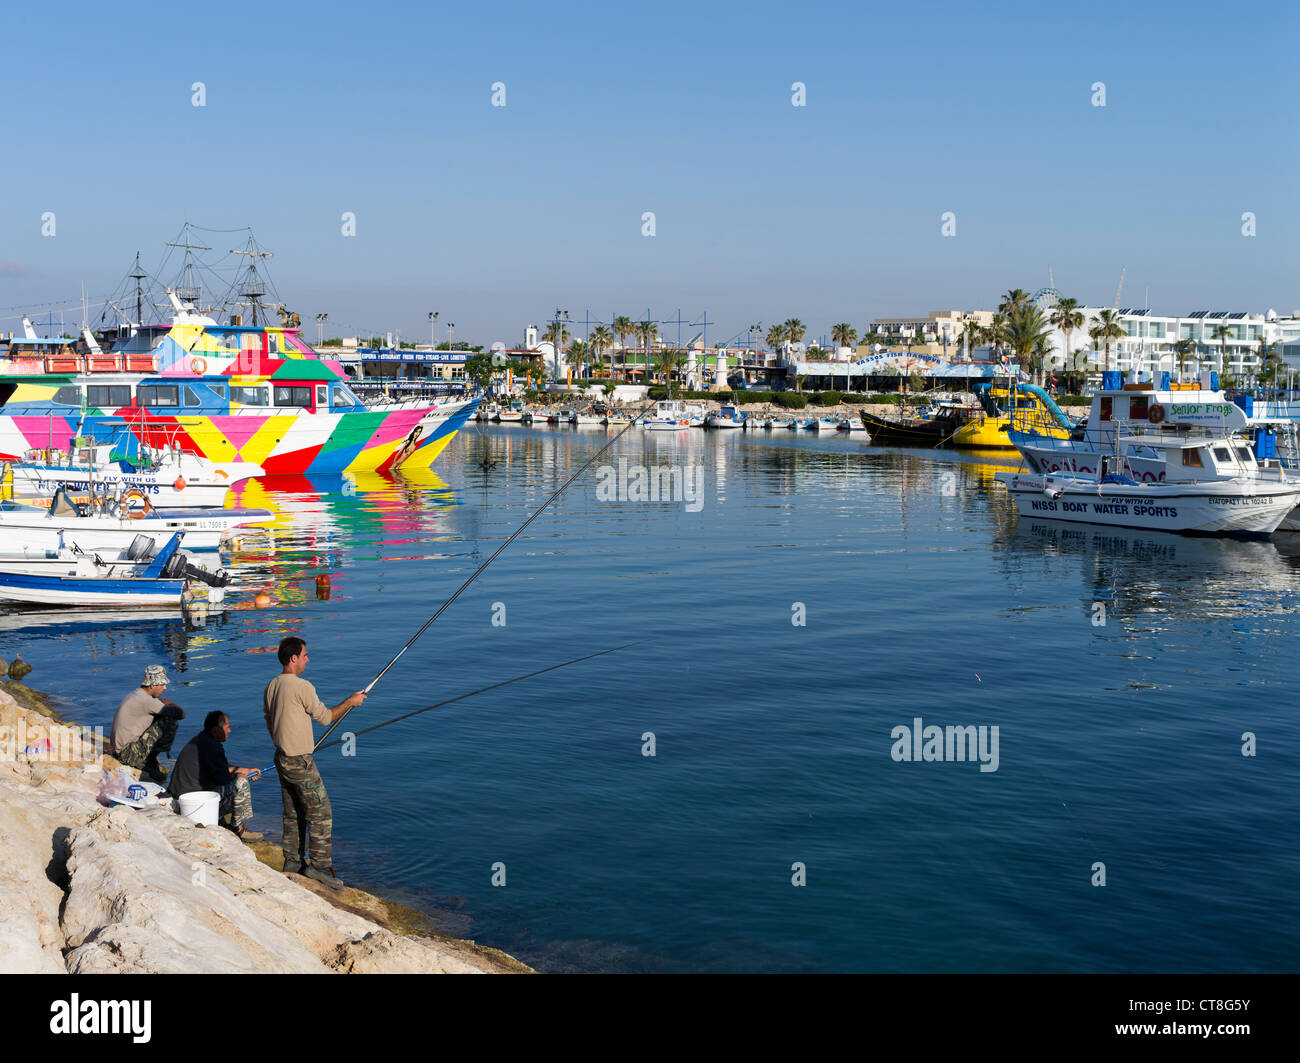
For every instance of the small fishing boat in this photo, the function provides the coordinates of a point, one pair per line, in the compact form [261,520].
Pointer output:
[785,422]
[669,416]
[616,418]
[512,414]
[827,424]
[140,576]
[110,524]
[586,419]
[728,416]
[850,425]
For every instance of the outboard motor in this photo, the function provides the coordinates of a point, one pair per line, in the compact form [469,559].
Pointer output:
[179,567]
[142,546]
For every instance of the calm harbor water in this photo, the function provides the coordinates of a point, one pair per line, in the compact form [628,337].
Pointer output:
[922,595]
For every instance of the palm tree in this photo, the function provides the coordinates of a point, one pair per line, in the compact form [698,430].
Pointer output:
[600,338]
[623,328]
[998,332]
[795,330]
[1067,316]
[844,334]
[647,330]
[973,333]
[1109,328]
[1027,332]
[1184,348]
[778,336]
[1221,333]
[578,351]
[1013,301]
[666,362]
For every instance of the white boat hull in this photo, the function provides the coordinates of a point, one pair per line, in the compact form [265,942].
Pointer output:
[26,529]
[1219,507]
[205,485]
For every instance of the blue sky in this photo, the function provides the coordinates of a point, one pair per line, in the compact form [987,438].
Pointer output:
[494,216]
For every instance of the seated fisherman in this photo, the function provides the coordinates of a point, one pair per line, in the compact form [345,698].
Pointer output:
[202,765]
[145,724]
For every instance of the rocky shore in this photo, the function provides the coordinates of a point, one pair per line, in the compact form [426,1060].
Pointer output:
[86,888]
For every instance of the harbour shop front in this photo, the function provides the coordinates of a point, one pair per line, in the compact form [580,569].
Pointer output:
[891,372]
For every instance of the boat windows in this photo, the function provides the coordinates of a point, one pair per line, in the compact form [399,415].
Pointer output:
[1192,458]
[1137,406]
[70,395]
[1245,456]
[249,396]
[322,396]
[1222,454]
[158,395]
[108,396]
[272,343]
[292,396]
[192,399]
[1106,405]
[344,398]
[292,342]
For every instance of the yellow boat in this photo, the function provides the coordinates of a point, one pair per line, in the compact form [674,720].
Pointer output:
[989,430]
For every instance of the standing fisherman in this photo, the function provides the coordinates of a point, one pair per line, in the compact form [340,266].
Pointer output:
[290,704]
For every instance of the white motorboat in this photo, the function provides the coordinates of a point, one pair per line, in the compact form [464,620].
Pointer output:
[167,478]
[105,524]
[512,414]
[669,416]
[1191,504]
[139,576]
[728,416]
[586,419]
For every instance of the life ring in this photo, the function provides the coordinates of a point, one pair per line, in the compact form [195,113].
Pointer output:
[199,365]
[1156,414]
[131,495]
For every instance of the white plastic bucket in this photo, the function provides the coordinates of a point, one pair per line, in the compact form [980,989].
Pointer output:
[201,807]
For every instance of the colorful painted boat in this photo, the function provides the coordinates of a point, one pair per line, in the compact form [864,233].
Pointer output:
[229,393]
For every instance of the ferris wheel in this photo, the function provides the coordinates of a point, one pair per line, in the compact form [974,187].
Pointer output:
[1045,298]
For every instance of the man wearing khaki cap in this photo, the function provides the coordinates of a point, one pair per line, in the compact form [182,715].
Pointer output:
[145,724]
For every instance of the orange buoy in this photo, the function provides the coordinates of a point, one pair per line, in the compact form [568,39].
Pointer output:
[262,600]
[323,587]
[179,483]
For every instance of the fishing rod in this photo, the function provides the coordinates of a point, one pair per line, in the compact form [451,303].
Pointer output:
[483,567]
[462,697]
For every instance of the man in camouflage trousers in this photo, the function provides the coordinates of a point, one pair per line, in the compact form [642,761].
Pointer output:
[291,704]
[145,724]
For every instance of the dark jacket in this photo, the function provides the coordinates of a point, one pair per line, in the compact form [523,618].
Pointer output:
[202,765]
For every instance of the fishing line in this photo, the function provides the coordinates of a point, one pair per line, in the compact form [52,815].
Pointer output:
[480,570]
[462,697]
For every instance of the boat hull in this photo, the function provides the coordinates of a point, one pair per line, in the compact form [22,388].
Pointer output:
[37,589]
[1228,508]
[908,433]
[28,530]
[284,442]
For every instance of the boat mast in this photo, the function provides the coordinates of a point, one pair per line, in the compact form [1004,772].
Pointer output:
[188,291]
[138,276]
[251,286]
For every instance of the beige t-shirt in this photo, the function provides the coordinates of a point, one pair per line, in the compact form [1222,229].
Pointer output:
[133,717]
[290,704]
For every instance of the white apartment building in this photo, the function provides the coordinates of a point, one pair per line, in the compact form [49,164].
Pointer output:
[1148,343]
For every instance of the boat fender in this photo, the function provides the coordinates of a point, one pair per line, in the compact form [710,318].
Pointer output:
[1156,414]
[179,483]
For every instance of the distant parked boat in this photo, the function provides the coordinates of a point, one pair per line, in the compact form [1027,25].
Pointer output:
[728,416]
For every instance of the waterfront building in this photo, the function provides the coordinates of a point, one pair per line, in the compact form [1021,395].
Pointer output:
[1149,342]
